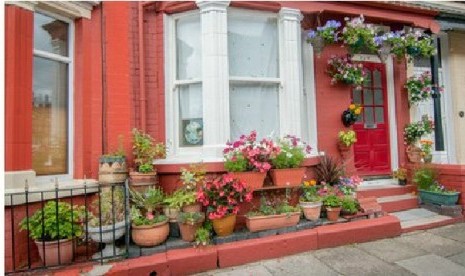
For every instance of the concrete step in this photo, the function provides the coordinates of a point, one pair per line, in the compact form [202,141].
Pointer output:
[422,219]
[397,203]
[379,182]
[384,190]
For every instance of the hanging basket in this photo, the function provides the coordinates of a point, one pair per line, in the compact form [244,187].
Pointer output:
[348,118]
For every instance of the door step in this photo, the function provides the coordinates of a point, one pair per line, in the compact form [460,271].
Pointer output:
[422,219]
[376,177]
[397,203]
[384,190]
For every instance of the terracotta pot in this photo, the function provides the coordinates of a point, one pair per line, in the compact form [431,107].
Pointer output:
[253,180]
[51,256]
[312,210]
[414,154]
[224,226]
[333,213]
[171,213]
[112,170]
[188,230]
[260,223]
[150,235]
[428,158]
[287,177]
[192,208]
[141,181]
[344,150]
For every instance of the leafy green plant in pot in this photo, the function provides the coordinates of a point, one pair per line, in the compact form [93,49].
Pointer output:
[310,200]
[53,229]
[189,223]
[112,166]
[192,179]
[145,150]
[174,202]
[108,223]
[286,163]
[333,205]
[349,206]
[429,189]
[149,227]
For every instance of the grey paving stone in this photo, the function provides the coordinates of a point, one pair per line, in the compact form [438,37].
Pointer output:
[267,233]
[297,265]
[459,259]
[173,243]
[390,250]
[455,232]
[349,260]
[432,243]
[287,230]
[252,270]
[421,213]
[432,265]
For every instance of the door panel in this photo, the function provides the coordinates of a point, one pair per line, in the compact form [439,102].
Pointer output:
[372,155]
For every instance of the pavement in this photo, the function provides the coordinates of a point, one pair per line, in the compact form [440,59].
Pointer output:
[439,251]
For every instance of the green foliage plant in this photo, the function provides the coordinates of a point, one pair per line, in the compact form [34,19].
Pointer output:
[350,205]
[347,138]
[270,207]
[55,221]
[191,217]
[425,177]
[332,201]
[149,200]
[145,150]
[108,208]
[414,131]
[202,236]
[180,198]
[292,153]
[139,218]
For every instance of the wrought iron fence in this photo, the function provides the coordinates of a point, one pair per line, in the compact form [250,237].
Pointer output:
[60,226]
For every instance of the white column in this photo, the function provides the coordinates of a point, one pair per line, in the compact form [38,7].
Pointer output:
[215,76]
[291,96]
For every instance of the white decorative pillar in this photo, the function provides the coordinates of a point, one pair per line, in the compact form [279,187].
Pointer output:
[215,75]
[290,70]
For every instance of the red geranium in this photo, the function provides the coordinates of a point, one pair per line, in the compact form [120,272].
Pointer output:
[223,195]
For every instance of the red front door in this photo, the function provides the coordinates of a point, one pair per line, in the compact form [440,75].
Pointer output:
[372,148]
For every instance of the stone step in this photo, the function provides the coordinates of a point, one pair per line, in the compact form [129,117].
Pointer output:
[421,219]
[397,203]
[384,190]
[379,182]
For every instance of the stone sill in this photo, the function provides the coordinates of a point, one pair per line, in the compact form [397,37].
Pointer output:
[37,193]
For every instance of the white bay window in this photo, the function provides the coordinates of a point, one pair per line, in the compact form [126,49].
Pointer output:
[230,71]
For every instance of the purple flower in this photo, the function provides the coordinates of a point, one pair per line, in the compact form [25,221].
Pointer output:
[311,34]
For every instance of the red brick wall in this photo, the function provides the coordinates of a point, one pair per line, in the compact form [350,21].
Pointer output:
[18,88]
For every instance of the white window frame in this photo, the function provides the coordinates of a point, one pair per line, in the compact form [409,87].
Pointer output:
[177,154]
[45,179]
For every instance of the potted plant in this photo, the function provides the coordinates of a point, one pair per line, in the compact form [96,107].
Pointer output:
[348,185]
[329,171]
[222,196]
[401,175]
[351,114]
[419,88]
[430,191]
[358,35]
[333,205]
[108,224]
[189,223]
[310,201]
[324,35]
[426,149]
[249,160]
[112,166]
[149,227]
[272,215]
[192,179]
[345,142]
[342,69]
[349,206]
[176,201]
[144,150]
[286,164]
[53,229]
[418,44]
[202,236]
[412,133]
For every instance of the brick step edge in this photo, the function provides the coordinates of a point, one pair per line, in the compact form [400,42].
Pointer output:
[399,205]
[382,192]
[434,224]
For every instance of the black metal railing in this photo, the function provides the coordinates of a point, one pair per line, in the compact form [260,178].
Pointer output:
[60,226]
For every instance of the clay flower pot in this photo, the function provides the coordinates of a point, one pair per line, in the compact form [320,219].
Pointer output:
[414,154]
[48,251]
[192,208]
[188,230]
[141,181]
[312,210]
[287,177]
[344,150]
[260,223]
[112,169]
[150,235]
[333,213]
[225,225]
[253,180]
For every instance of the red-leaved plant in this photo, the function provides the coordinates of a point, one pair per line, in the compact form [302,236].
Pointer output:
[222,196]
[248,154]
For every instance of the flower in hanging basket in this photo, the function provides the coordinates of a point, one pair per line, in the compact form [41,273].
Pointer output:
[351,114]
[347,138]
[414,131]
[328,32]
[419,44]
[342,69]
[420,88]
[359,35]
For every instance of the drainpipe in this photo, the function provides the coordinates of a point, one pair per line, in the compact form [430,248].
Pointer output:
[438,133]
[142,67]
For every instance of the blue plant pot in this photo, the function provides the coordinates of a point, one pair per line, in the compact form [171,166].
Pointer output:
[438,198]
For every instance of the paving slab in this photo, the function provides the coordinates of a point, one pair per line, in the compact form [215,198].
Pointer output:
[455,232]
[413,214]
[246,270]
[299,265]
[349,260]
[432,243]
[390,250]
[459,259]
[429,265]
